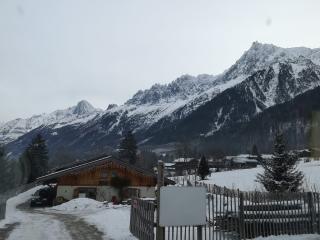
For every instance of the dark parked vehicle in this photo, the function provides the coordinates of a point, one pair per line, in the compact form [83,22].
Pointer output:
[43,197]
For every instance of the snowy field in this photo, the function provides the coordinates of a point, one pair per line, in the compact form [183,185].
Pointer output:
[297,237]
[245,179]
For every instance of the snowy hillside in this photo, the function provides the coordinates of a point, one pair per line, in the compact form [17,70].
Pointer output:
[78,114]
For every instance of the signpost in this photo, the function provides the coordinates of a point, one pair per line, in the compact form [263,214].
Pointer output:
[182,206]
[160,182]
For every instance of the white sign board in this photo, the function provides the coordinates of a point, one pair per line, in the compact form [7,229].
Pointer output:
[182,206]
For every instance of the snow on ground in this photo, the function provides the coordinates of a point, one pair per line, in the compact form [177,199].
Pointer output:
[296,237]
[32,226]
[39,227]
[12,214]
[112,220]
[244,179]
[78,205]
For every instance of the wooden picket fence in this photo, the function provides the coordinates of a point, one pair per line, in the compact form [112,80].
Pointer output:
[232,214]
[264,214]
[142,219]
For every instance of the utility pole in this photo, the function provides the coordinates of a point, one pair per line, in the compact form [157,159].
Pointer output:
[160,183]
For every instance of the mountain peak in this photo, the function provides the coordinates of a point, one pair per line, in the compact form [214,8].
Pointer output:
[179,89]
[261,55]
[256,45]
[83,107]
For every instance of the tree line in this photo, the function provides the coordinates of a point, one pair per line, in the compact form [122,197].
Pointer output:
[32,164]
[280,172]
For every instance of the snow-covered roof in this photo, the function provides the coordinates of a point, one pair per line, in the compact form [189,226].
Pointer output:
[183,160]
[168,164]
[242,158]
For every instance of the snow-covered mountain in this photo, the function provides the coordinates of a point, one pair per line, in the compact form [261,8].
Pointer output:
[184,95]
[76,115]
[197,106]
[278,83]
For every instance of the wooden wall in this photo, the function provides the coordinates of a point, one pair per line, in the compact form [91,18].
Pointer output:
[101,175]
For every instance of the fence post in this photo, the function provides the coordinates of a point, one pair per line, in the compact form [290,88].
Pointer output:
[199,232]
[311,211]
[160,182]
[241,217]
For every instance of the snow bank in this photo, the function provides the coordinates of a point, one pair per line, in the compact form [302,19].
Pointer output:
[12,214]
[114,221]
[295,237]
[79,204]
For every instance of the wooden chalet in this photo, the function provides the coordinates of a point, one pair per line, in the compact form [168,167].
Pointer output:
[185,164]
[241,161]
[93,179]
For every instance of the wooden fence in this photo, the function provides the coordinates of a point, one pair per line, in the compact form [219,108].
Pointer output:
[142,219]
[232,214]
[264,214]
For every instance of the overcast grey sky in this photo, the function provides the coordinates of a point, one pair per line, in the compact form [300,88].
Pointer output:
[55,53]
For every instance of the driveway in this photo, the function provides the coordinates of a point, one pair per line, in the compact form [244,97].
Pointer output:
[37,224]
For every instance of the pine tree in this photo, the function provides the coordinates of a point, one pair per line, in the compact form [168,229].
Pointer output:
[25,167]
[4,171]
[36,155]
[280,172]
[255,151]
[203,169]
[128,148]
